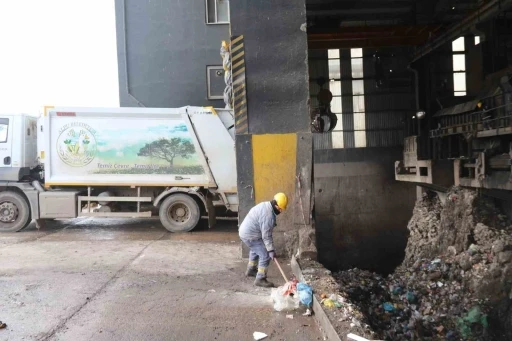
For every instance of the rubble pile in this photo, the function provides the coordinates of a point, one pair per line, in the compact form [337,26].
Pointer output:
[423,229]
[455,282]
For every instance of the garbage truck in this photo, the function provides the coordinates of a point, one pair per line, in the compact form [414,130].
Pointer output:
[177,163]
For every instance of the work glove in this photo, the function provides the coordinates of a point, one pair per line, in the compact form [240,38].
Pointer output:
[272,254]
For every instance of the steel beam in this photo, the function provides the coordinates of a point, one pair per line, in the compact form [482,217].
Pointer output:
[371,36]
[357,11]
[485,12]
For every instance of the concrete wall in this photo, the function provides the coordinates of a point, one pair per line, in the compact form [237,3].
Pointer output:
[164,47]
[361,212]
[276,64]
[277,136]
[506,205]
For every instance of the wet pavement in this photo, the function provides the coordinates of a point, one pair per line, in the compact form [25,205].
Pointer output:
[107,279]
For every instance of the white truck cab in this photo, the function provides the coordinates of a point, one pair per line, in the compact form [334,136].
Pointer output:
[18,146]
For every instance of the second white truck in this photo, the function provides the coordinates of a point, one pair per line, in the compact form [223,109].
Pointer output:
[117,162]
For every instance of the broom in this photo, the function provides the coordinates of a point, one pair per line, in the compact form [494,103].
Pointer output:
[281,269]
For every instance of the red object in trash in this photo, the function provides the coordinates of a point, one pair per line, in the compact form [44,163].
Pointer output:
[290,287]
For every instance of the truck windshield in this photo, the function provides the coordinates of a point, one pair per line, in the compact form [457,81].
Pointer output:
[4,125]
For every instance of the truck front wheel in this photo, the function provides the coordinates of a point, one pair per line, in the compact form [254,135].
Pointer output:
[14,212]
[179,213]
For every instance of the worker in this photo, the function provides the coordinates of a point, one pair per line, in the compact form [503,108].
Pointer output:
[256,232]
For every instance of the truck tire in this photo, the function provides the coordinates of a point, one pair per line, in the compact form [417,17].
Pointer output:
[179,213]
[14,212]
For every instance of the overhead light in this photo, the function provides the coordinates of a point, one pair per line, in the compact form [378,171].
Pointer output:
[421,114]
[453,7]
[390,70]
[332,80]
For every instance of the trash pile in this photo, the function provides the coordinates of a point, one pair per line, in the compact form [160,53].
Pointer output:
[289,296]
[423,229]
[455,282]
[347,312]
[415,305]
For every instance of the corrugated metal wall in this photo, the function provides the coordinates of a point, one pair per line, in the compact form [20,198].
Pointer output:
[386,106]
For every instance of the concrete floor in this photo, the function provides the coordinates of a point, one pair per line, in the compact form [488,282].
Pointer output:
[132,280]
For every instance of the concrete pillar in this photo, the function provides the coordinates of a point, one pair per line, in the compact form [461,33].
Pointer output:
[419,192]
[271,100]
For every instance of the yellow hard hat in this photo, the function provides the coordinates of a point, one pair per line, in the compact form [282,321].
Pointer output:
[281,200]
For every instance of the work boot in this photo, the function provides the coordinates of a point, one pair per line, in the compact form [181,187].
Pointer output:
[262,282]
[252,268]
[251,272]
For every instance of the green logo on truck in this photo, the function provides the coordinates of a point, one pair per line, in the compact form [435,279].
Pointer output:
[76,144]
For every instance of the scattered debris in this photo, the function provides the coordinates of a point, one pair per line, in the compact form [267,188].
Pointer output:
[211,290]
[305,294]
[2,325]
[289,317]
[473,317]
[328,303]
[357,337]
[308,271]
[290,288]
[307,313]
[284,299]
[388,307]
[259,336]
[291,295]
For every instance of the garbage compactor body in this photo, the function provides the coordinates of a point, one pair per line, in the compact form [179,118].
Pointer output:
[178,164]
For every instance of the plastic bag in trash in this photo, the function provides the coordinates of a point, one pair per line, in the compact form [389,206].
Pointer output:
[282,301]
[305,294]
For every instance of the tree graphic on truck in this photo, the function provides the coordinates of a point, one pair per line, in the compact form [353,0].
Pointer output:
[168,150]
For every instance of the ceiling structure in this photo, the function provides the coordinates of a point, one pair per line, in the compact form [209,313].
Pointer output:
[376,23]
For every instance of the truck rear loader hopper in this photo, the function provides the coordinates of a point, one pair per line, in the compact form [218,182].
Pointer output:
[117,162]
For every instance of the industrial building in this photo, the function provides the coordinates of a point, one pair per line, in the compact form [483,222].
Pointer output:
[358,108]
[382,62]
[387,123]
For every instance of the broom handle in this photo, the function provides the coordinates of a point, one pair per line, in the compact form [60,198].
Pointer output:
[280,269]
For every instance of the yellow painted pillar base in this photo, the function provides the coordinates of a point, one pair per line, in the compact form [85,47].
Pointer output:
[274,163]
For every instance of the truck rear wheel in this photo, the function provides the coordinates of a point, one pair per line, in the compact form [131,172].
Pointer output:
[179,213]
[14,212]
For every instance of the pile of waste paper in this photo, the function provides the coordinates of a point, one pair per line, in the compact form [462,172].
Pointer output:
[454,284]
